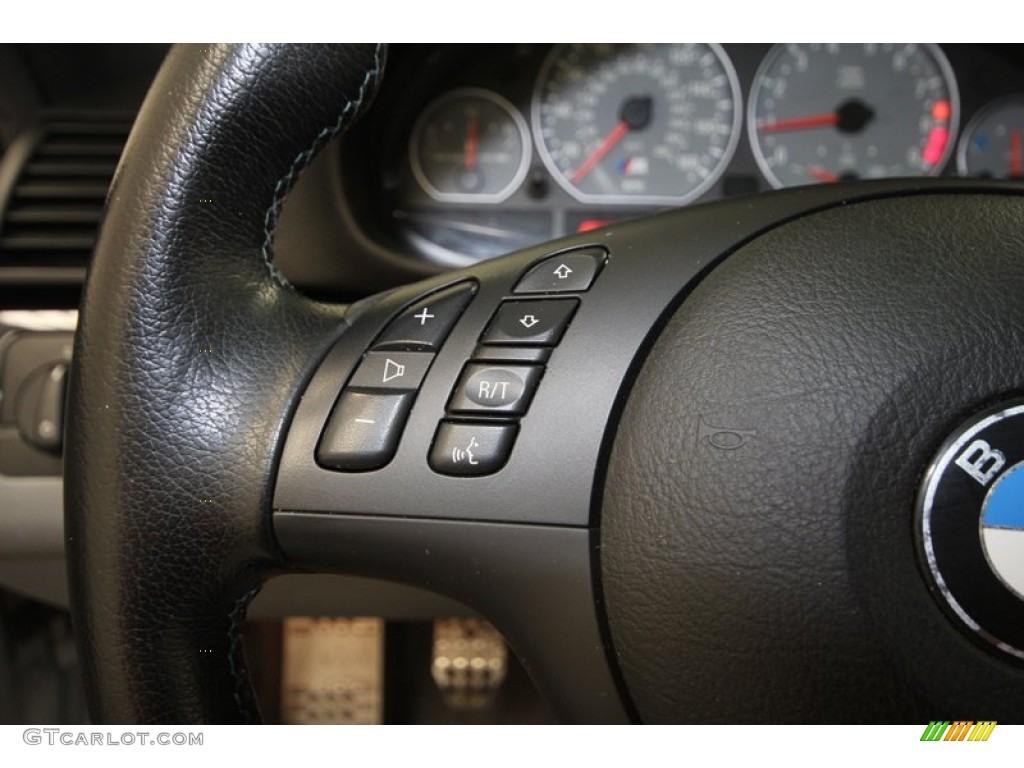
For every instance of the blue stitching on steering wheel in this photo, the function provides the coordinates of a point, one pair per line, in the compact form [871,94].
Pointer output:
[304,158]
[236,661]
[281,190]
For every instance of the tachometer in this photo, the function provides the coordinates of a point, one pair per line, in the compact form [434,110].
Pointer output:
[470,146]
[830,112]
[646,124]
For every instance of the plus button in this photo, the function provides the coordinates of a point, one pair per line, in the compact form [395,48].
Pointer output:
[423,316]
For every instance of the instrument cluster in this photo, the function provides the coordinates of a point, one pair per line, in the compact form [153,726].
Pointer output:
[504,146]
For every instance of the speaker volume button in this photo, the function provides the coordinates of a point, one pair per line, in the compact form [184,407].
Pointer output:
[402,371]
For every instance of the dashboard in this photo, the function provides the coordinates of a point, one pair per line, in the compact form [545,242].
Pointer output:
[474,151]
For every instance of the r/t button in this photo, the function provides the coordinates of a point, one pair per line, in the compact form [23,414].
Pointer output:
[497,389]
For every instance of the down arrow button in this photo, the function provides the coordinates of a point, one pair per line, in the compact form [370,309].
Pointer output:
[537,323]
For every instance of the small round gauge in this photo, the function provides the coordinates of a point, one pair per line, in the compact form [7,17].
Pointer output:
[644,124]
[833,112]
[991,144]
[470,146]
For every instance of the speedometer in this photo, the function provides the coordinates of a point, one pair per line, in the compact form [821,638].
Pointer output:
[646,124]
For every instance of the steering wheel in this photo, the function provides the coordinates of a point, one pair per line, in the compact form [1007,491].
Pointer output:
[678,462]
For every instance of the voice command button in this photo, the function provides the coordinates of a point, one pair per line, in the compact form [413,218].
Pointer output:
[467,450]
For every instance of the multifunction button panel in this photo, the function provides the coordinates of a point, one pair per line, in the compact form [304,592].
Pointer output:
[493,390]
[366,423]
[499,381]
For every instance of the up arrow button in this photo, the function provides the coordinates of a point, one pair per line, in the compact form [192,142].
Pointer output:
[569,272]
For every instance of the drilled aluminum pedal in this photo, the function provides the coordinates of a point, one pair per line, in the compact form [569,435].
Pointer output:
[332,671]
[470,662]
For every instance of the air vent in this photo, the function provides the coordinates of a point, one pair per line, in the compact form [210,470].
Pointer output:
[49,226]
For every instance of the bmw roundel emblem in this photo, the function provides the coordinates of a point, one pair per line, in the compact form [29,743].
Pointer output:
[971,527]
[1002,528]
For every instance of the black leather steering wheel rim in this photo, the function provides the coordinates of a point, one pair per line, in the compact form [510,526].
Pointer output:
[183,297]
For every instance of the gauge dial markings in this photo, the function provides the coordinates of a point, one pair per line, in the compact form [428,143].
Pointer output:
[470,145]
[852,111]
[636,124]
[993,142]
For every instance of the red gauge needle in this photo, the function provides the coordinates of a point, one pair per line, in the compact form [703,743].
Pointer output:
[800,123]
[1015,160]
[472,142]
[820,174]
[603,149]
